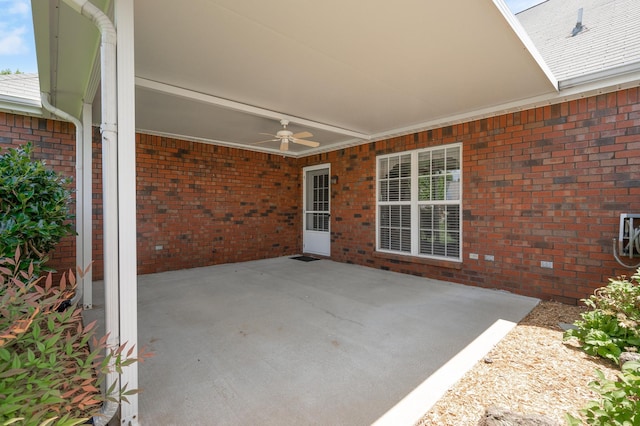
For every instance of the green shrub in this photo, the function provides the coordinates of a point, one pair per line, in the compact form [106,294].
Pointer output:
[611,325]
[34,207]
[48,373]
[619,403]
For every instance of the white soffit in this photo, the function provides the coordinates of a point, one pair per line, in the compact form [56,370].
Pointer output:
[344,69]
[67,47]
[369,68]
[196,119]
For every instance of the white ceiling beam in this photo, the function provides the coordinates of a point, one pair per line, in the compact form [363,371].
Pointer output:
[237,106]
[223,143]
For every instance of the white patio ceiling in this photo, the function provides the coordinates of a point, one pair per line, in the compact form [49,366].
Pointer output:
[225,71]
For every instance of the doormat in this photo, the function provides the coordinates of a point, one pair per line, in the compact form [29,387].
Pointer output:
[305,258]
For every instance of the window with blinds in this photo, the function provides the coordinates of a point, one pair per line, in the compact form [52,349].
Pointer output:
[419,202]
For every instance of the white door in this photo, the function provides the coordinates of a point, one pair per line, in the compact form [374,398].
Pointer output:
[316,236]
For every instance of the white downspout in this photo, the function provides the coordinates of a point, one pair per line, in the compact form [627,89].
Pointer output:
[80,193]
[109,130]
[87,208]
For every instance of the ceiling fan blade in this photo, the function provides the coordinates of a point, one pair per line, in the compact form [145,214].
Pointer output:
[302,135]
[305,142]
[284,145]
[268,134]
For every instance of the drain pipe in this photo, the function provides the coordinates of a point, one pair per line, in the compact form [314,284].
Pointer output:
[109,131]
[44,100]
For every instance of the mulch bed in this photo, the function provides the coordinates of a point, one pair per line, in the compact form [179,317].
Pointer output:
[530,371]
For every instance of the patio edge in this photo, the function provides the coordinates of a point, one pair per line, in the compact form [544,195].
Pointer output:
[420,400]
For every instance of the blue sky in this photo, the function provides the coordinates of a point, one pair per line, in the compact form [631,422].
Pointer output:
[520,5]
[17,50]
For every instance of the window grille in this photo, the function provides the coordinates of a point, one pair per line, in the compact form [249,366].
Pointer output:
[318,202]
[419,202]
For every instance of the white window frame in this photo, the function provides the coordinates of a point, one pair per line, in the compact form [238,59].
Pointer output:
[415,203]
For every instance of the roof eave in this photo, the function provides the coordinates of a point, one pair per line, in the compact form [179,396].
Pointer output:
[594,84]
[70,83]
[519,30]
[624,72]
[21,106]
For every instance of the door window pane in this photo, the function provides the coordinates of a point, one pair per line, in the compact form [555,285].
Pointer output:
[317,221]
[318,201]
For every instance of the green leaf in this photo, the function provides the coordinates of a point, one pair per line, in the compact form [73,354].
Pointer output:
[35,331]
[49,421]
[15,363]
[5,355]
[631,366]
[572,421]
[12,421]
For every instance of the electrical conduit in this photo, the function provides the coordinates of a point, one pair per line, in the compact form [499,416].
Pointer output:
[109,131]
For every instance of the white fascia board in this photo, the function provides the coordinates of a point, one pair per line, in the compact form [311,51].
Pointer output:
[94,81]
[597,77]
[521,33]
[20,106]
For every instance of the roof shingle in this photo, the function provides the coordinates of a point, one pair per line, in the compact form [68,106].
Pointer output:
[610,37]
[23,86]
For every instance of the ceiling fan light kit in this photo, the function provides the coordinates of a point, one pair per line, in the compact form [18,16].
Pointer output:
[285,136]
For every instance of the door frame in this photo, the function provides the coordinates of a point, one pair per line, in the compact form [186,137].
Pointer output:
[306,234]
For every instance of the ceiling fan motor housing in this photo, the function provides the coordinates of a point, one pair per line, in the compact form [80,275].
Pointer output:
[284,134]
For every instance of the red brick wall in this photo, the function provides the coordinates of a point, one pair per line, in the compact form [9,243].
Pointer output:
[546,184]
[353,202]
[205,204]
[97,242]
[53,142]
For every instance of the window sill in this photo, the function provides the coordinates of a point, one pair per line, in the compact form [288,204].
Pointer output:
[450,264]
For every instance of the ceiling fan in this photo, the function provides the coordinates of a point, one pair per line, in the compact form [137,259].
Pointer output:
[285,136]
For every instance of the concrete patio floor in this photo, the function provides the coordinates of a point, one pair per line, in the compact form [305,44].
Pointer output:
[285,342]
